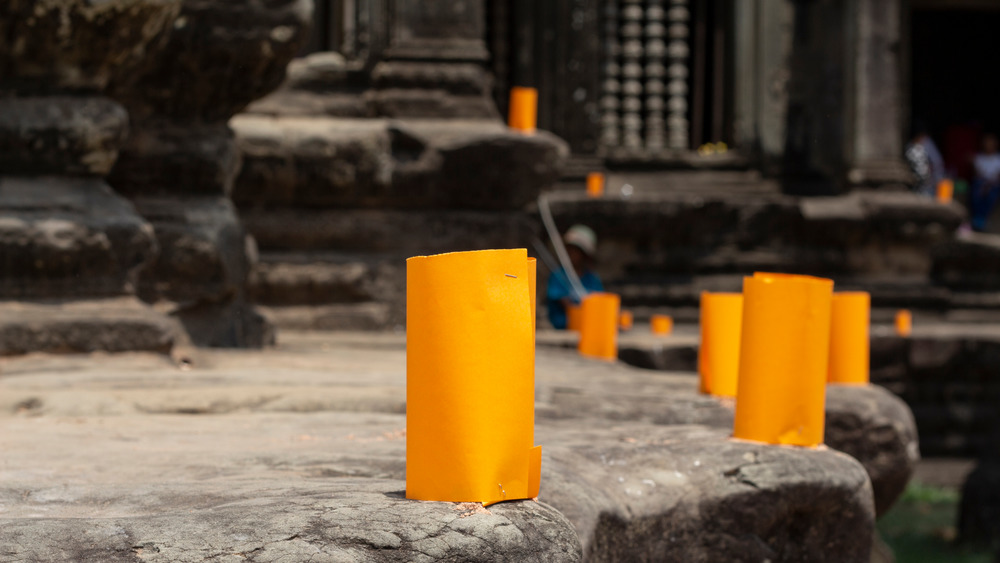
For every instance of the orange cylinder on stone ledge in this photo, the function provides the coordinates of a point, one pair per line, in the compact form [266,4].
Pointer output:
[595,184]
[719,350]
[904,323]
[850,316]
[661,325]
[522,113]
[599,326]
[470,377]
[784,350]
[945,190]
[625,320]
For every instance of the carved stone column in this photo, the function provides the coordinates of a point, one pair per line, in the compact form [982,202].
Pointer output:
[71,249]
[180,162]
[434,65]
[874,120]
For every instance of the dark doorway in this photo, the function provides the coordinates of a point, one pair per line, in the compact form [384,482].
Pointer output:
[955,84]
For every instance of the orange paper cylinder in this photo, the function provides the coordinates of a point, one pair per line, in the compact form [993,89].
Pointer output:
[523,109]
[784,350]
[904,322]
[850,317]
[945,190]
[470,357]
[625,320]
[661,324]
[599,327]
[595,184]
[719,351]
[574,317]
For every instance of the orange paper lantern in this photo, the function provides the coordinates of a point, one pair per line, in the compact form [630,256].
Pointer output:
[719,351]
[850,317]
[904,322]
[625,320]
[599,328]
[945,190]
[661,324]
[784,350]
[470,373]
[595,184]
[523,109]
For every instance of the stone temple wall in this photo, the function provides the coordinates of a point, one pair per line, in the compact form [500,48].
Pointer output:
[116,165]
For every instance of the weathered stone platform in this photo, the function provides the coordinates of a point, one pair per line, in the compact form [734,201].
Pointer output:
[299,452]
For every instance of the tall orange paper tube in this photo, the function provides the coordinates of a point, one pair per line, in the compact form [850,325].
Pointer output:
[904,322]
[595,184]
[945,190]
[522,111]
[599,329]
[661,324]
[626,320]
[719,351]
[850,317]
[784,350]
[470,375]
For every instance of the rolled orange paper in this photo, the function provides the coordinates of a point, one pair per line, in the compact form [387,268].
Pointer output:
[904,322]
[850,317]
[595,184]
[574,317]
[625,320]
[661,324]
[945,190]
[599,329]
[523,109]
[719,351]
[784,350]
[470,357]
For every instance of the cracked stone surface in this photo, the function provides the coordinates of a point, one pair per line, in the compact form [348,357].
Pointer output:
[299,453]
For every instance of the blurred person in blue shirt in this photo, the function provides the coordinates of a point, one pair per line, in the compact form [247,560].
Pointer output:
[581,246]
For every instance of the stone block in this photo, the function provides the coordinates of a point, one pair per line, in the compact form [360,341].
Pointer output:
[94,43]
[219,57]
[428,164]
[107,325]
[69,238]
[75,136]
[167,158]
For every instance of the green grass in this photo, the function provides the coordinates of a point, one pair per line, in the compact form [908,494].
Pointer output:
[922,527]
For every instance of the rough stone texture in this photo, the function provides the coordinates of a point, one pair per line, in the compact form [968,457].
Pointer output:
[94,43]
[945,374]
[66,238]
[111,325]
[313,161]
[304,455]
[867,422]
[172,158]
[76,136]
[971,262]
[204,249]
[875,427]
[397,232]
[685,493]
[243,46]
[325,521]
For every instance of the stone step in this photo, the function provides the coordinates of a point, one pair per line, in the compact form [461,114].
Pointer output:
[104,325]
[304,455]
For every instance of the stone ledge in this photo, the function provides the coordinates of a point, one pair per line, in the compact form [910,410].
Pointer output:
[110,325]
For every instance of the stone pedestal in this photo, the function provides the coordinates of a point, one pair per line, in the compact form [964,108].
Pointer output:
[435,63]
[179,164]
[65,236]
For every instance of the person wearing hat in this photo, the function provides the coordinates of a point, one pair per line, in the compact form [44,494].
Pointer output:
[581,245]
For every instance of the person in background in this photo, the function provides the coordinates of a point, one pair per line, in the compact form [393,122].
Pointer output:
[925,160]
[986,183]
[581,245]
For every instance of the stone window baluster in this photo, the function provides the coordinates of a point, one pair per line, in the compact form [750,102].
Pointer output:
[655,74]
[632,72]
[678,51]
[611,88]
